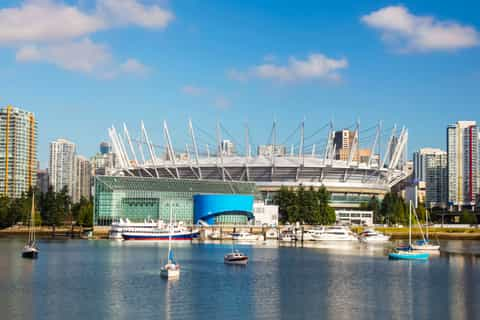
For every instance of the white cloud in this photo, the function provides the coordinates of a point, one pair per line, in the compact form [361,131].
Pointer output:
[133,12]
[222,103]
[83,56]
[44,20]
[420,33]
[134,66]
[193,90]
[316,67]
[54,32]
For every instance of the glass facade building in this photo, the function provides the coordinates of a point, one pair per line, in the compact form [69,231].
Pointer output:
[139,198]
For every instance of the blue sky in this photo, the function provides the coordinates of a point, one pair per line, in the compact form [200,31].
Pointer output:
[83,65]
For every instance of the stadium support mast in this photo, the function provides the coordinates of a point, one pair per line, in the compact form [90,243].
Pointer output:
[219,150]
[375,143]
[153,157]
[195,147]
[129,140]
[302,142]
[170,150]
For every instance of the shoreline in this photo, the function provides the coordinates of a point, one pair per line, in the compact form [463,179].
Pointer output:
[102,232]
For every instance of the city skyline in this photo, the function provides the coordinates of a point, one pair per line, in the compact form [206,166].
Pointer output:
[240,62]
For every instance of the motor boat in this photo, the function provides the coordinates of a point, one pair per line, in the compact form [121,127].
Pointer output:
[236,257]
[312,234]
[271,234]
[372,236]
[335,233]
[287,236]
[244,236]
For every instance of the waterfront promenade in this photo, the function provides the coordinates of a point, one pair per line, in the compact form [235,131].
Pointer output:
[450,232]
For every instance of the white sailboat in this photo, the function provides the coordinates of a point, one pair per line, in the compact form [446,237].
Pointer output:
[30,250]
[425,244]
[172,269]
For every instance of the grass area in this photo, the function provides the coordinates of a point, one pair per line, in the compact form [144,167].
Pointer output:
[393,230]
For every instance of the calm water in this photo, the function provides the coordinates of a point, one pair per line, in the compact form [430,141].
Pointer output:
[114,280]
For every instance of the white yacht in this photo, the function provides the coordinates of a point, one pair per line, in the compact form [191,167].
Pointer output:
[312,234]
[117,228]
[372,236]
[335,233]
[244,236]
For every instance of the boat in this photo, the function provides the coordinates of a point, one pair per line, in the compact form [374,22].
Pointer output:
[406,253]
[177,232]
[244,236]
[313,234]
[335,233]
[172,269]
[271,234]
[125,225]
[235,257]
[425,244]
[287,236]
[30,250]
[372,236]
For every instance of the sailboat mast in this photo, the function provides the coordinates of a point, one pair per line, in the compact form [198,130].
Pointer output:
[426,221]
[170,232]
[31,232]
[410,224]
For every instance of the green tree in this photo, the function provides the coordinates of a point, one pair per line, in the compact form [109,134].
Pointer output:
[468,218]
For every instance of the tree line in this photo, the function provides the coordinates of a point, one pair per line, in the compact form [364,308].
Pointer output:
[51,209]
[394,210]
[306,206]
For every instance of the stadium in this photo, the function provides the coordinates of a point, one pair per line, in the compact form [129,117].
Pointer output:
[352,164]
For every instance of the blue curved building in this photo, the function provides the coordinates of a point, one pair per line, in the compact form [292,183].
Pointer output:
[213,208]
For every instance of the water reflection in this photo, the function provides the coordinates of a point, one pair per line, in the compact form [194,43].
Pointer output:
[120,280]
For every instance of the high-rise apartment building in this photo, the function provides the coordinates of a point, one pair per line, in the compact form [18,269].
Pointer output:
[430,167]
[42,180]
[18,151]
[462,149]
[62,156]
[82,179]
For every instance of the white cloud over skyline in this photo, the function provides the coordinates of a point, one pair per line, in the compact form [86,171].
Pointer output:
[316,66]
[409,33]
[57,33]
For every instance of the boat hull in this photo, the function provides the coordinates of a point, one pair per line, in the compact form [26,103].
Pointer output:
[428,247]
[408,256]
[184,236]
[236,261]
[30,254]
[170,274]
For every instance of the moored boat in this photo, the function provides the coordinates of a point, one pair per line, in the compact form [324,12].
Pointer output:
[406,252]
[30,250]
[372,236]
[172,269]
[161,235]
[244,236]
[335,233]
[408,255]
